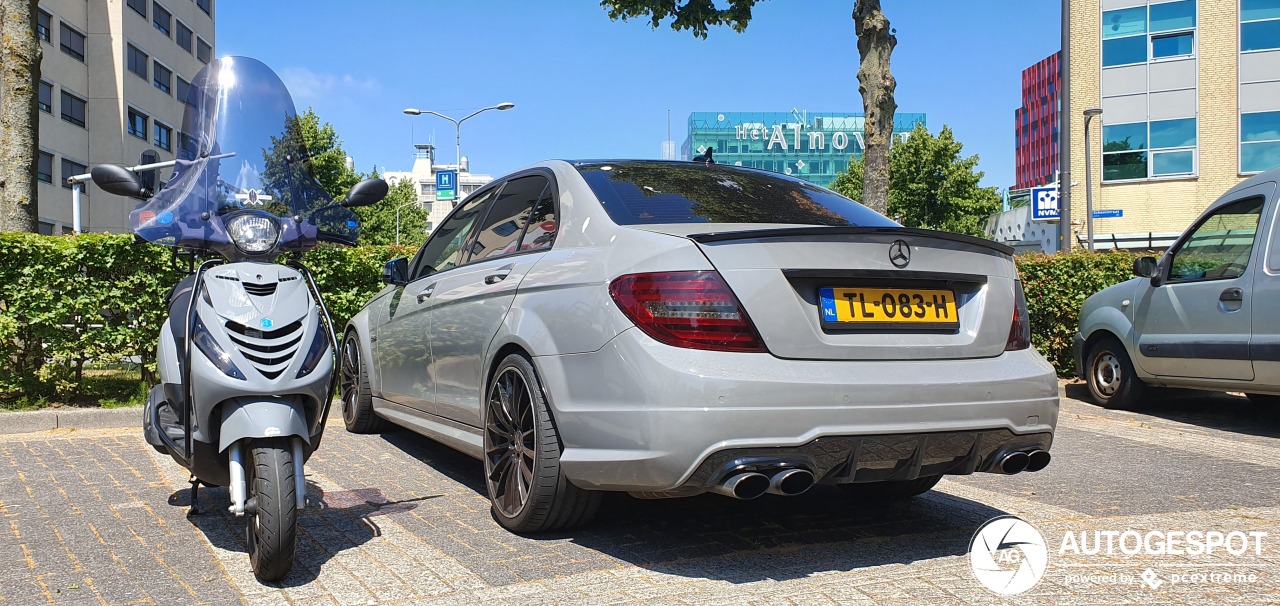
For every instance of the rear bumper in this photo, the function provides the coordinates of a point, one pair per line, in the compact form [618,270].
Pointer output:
[637,415]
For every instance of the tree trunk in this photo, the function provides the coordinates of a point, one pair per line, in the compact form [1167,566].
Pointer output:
[876,84]
[19,114]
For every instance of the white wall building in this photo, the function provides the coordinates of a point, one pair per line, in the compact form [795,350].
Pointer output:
[114,78]
[424,177]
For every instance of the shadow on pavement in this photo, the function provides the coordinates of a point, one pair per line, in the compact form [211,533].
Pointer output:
[332,522]
[1212,410]
[716,537]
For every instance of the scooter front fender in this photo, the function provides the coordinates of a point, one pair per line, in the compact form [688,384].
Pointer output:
[262,418]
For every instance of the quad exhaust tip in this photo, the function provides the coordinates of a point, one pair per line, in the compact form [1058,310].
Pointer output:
[1038,459]
[791,482]
[1014,462]
[744,486]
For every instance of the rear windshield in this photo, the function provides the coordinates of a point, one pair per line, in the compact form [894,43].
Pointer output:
[640,192]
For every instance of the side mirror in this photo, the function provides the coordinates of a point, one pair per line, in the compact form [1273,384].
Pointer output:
[1144,267]
[118,180]
[396,271]
[365,193]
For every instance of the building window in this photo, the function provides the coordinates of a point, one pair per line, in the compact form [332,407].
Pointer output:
[1132,35]
[138,124]
[1141,150]
[1259,141]
[71,169]
[44,169]
[186,146]
[163,77]
[164,135]
[183,85]
[138,6]
[204,52]
[46,97]
[1260,35]
[184,37]
[206,6]
[73,109]
[161,19]
[71,41]
[137,61]
[43,22]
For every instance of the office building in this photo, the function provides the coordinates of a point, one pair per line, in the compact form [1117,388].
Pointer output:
[114,77]
[809,145]
[1036,124]
[1190,98]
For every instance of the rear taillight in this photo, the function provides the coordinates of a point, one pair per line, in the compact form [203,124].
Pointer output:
[692,309]
[1020,332]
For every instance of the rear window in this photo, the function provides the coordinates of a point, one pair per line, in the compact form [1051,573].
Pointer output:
[640,193]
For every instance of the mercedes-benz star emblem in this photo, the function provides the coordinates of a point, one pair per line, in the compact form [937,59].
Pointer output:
[900,254]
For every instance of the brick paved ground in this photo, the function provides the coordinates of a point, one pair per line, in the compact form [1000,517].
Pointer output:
[97,517]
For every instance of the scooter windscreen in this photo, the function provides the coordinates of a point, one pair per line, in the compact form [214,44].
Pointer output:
[242,184]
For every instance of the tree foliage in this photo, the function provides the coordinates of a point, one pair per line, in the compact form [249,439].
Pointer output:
[930,184]
[696,15]
[378,222]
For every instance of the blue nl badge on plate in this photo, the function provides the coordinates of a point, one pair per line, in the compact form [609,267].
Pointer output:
[827,299]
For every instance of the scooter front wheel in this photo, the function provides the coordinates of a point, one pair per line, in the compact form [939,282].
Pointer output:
[272,524]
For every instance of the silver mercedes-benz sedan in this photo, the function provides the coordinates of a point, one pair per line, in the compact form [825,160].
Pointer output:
[672,328]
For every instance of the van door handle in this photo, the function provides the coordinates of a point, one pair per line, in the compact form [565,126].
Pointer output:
[426,293]
[1231,295]
[495,278]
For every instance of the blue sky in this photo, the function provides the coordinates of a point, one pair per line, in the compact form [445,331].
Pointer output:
[588,87]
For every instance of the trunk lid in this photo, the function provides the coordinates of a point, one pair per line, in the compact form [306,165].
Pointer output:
[782,274]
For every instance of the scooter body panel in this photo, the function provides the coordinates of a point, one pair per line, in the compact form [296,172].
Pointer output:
[262,418]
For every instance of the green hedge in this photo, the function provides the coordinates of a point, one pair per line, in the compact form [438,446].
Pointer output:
[74,303]
[1056,287]
[97,300]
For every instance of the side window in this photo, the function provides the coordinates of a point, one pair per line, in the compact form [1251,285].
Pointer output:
[500,234]
[1220,246]
[541,232]
[443,249]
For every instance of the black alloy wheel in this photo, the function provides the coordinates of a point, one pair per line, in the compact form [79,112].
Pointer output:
[510,447]
[353,381]
[522,456]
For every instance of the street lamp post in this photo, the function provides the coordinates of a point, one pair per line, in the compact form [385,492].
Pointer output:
[457,124]
[398,218]
[1088,175]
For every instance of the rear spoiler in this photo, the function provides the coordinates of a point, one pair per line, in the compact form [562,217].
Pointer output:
[792,232]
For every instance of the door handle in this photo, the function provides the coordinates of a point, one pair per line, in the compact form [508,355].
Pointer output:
[1231,295]
[426,293]
[495,278]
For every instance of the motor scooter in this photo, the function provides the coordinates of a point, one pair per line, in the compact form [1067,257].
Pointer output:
[246,356]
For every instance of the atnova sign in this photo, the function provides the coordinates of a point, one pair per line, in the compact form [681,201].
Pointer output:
[786,137]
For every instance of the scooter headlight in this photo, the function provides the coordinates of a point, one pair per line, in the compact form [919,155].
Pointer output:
[209,347]
[253,233]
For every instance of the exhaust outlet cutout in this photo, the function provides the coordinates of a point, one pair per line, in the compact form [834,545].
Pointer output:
[1038,459]
[744,486]
[791,482]
[1014,462]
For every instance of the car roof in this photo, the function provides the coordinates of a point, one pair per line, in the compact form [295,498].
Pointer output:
[1269,176]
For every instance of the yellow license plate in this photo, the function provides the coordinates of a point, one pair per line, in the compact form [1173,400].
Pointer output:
[909,306]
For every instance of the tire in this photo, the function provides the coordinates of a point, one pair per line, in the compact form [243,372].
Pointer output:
[357,398]
[1263,399]
[1113,384]
[891,490]
[520,441]
[272,528]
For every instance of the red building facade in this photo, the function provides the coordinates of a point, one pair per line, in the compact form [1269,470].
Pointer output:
[1036,124]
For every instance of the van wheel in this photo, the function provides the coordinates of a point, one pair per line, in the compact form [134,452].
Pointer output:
[522,456]
[1111,378]
[357,399]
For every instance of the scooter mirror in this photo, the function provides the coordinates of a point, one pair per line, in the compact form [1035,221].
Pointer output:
[365,193]
[118,180]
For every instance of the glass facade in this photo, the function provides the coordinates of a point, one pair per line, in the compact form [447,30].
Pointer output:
[809,145]
[1036,124]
